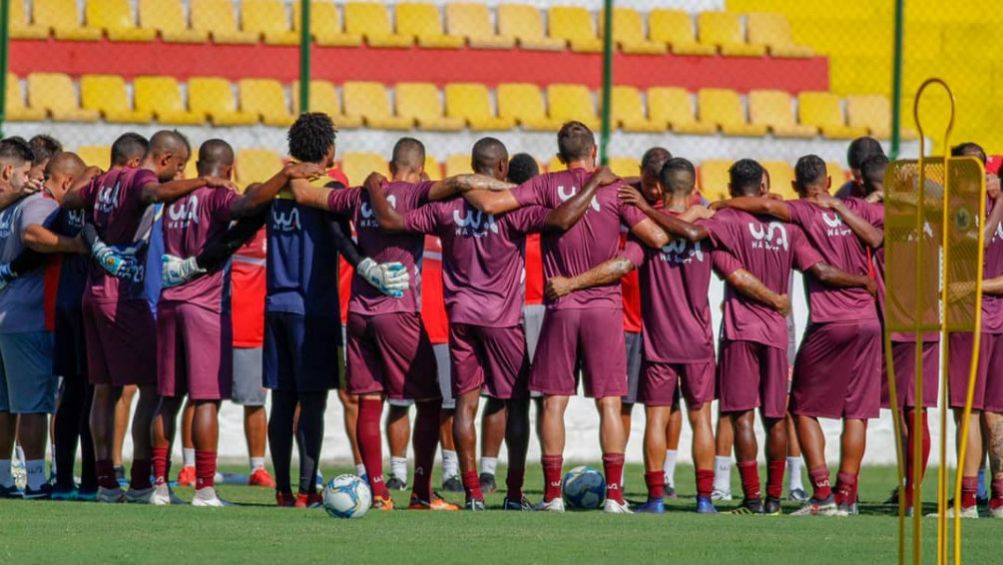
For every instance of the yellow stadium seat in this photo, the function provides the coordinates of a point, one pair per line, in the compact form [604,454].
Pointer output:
[555,164]
[162,97]
[473,21]
[269,20]
[168,17]
[420,102]
[675,28]
[323,98]
[772,108]
[358,165]
[265,99]
[724,29]
[823,110]
[624,166]
[20,27]
[627,112]
[523,103]
[774,31]
[471,103]
[256,165]
[837,172]
[95,155]
[325,25]
[16,110]
[115,18]
[370,102]
[216,18]
[107,94]
[575,25]
[781,174]
[723,108]
[873,111]
[567,102]
[213,97]
[61,17]
[191,169]
[54,93]
[370,20]
[458,164]
[423,22]
[524,23]
[628,33]
[673,106]
[714,179]
[433,169]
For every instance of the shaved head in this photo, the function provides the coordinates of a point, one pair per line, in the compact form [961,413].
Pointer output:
[168,141]
[168,153]
[65,164]
[490,157]
[408,155]
[215,159]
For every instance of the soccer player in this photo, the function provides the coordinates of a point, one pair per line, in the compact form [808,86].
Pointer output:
[837,370]
[43,147]
[860,150]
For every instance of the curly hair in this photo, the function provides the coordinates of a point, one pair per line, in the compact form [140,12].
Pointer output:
[311,137]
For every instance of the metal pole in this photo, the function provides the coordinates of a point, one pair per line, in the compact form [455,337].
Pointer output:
[304,93]
[4,47]
[607,78]
[897,79]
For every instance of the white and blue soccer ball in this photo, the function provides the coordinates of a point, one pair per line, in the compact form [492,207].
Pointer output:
[584,488]
[347,496]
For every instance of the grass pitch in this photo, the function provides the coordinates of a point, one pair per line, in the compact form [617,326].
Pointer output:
[254,531]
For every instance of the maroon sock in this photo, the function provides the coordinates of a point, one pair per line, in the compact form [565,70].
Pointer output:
[105,470]
[996,500]
[820,483]
[425,441]
[205,468]
[139,474]
[552,476]
[656,484]
[369,438]
[775,477]
[513,482]
[845,485]
[969,490]
[161,465]
[612,464]
[749,472]
[705,482]
[472,486]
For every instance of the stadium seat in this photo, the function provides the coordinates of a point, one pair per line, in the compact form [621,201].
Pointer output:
[107,94]
[574,25]
[54,93]
[323,98]
[325,25]
[471,103]
[62,17]
[423,22]
[458,164]
[873,111]
[837,172]
[162,97]
[433,169]
[714,179]
[370,20]
[781,174]
[627,112]
[358,165]
[772,108]
[571,102]
[256,165]
[191,169]
[524,23]
[265,99]
[554,165]
[675,28]
[673,106]
[96,155]
[16,110]
[168,17]
[724,29]
[269,20]
[774,31]
[822,110]
[473,21]
[213,97]
[369,101]
[115,18]
[628,33]
[20,27]
[420,102]
[523,103]
[624,166]
[723,108]
[216,18]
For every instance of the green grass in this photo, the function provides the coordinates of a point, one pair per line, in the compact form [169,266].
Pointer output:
[256,532]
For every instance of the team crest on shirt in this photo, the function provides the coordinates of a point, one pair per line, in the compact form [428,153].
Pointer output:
[681,252]
[474,223]
[564,195]
[183,212]
[107,199]
[772,238]
[286,221]
[368,219]
[834,226]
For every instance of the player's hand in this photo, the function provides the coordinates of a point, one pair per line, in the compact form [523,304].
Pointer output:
[783,305]
[774,196]
[717,205]
[375,181]
[605,176]
[872,287]
[90,172]
[175,270]
[826,201]
[993,185]
[31,186]
[958,290]
[699,212]
[557,287]
[309,171]
[875,197]
[630,195]
[392,279]
[119,261]
[218,182]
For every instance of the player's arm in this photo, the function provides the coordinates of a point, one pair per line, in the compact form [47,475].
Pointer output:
[10,196]
[386,216]
[993,286]
[565,216]
[605,273]
[74,198]
[868,233]
[757,205]
[837,278]
[675,227]
[43,240]
[994,219]
[750,286]
[462,184]
[649,233]
[257,196]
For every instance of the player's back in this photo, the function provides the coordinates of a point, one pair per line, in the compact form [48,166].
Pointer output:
[302,265]
[73,266]
[992,305]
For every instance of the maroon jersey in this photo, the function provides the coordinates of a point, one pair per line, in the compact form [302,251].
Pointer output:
[992,306]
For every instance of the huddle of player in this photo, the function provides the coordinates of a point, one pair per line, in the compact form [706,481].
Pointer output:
[594,229]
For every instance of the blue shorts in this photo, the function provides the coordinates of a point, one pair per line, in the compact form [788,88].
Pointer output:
[27,384]
[69,347]
[301,353]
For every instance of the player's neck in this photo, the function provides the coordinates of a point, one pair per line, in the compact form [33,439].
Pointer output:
[587,165]
[407,176]
[677,202]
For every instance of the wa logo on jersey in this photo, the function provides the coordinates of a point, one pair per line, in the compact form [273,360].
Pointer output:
[680,252]
[564,195]
[474,223]
[368,219]
[107,199]
[834,226]
[182,213]
[771,237]
[75,219]
[286,221]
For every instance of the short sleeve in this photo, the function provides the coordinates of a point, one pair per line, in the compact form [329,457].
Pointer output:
[38,211]
[805,256]
[343,201]
[425,219]
[631,215]
[527,219]
[725,263]
[722,233]
[873,214]
[531,192]
[418,196]
[800,212]
[633,250]
[89,193]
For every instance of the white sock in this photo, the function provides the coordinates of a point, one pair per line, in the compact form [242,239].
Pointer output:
[722,473]
[794,465]
[670,467]
[360,469]
[35,468]
[398,468]
[450,464]
[6,477]
[489,465]
[188,455]
[257,463]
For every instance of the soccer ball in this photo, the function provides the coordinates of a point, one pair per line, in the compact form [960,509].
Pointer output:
[347,496]
[584,488]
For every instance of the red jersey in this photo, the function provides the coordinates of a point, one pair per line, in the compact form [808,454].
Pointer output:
[534,269]
[433,307]
[631,287]
[248,285]
[345,274]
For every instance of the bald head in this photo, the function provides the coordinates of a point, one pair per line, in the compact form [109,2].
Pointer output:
[61,171]
[167,154]
[408,156]
[215,159]
[490,157]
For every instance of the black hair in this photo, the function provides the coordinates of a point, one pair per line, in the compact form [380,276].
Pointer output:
[872,170]
[745,177]
[128,146]
[522,167]
[165,141]
[311,137]
[808,170]
[675,183]
[214,153]
[860,149]
[653,161]
[486,154]
[575,141]
[969,148]
[44,147]
[408,153]
[16,150]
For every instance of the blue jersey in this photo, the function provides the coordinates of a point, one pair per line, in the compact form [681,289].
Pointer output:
[302,260]
[153,267]
[73,269]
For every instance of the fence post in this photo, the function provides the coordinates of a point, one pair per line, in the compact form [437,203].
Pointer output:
[897,80]
[607,78]
[4,47]
[304,83]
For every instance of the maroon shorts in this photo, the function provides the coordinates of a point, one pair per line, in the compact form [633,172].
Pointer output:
[752,375]
[904,357]
[194,352]
[391,354]
[661,382]
[587,339]
[121,342]
[492,358]
[837,372]
[988,378]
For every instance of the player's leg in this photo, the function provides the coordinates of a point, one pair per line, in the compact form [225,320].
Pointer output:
[205,435]
[88,487]
[958,372]
[310,438]
[123,411]
[994,423]
[8,429]
[142,420]
[853,442]
[633,346]
[465,436]
[66,424]
[350,418]
[249,393]
[102,423]
[398,431]
[795,486]
[673,430]
[703,452]
[277,366]
[186,476]
[552,437]
[656,389]
[724,439]
[493,432]
[517,428]
[451,478]
[775,381]
[27,358]
[162,436]
[467,360]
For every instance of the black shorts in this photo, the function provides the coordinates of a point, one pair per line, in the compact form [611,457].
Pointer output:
[301,353]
